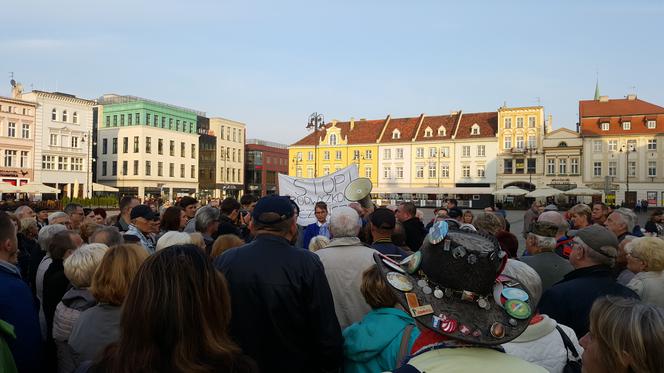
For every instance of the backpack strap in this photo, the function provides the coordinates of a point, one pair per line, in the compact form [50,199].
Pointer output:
[403,349]
[567,342]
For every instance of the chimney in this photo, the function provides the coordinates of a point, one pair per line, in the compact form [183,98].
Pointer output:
[549,124]
[603,98]
[631,97]
[352,123]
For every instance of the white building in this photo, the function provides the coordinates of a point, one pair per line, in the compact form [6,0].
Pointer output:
[231,136]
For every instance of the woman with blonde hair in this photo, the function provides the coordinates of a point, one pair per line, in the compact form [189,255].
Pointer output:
[467,217]
[225,242]
[580,215]
[100,325]
[625,337]
[645,257]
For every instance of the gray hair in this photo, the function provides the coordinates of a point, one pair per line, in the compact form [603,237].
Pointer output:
[172,238]
[544,243]
[22,210]
[556,218]
[46,235]
[82,263]
[317,243]
[527,276]
[345,222]
[26,224]
[71,208]
[109,236]
[56,215]
[628,217]
[204,216]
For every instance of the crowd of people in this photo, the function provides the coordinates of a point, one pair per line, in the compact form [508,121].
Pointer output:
[240,286]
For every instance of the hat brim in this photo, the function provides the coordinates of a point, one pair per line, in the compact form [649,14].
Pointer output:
[478,322]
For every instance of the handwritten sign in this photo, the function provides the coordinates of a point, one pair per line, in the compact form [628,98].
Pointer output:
[306,192]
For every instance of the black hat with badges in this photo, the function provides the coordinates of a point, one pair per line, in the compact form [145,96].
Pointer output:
[453,286]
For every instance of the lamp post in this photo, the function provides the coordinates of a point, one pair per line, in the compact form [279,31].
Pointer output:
[627,150]
[296,160]
[530,151]
[87,141]
[358,157]
[316,123]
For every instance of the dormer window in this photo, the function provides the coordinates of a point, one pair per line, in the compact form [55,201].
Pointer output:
[562,144]
[333,139]
[441,131]
[627,125]
[652,124]
[605,126]
[396,134]
[428,132]
[475,129]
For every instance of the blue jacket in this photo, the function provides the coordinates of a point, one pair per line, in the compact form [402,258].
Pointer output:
[18,307]
[311,231]
[373,344]
[388,248]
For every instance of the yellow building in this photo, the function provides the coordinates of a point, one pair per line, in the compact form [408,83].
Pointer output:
[336,146]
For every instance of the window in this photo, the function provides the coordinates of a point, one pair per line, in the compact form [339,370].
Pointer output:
[129,119]
[531,122]
[115,120]
[124,168]
[652,168]
[632,168]
[310,172]
[356,155]
[532,165]
[114,146]
[481,171]
[387,172]
[54,114]
[613,168]
[114,168]
[432,170]
[475,129]
[333,139]
[481,150]
[104,167]
[465,151]
[575,166]
[652,144]
[48,162]
[387,154]
[63,163]
[53,140]
[550,166]
[562,144]
[367,172]
[445,170]
[597,146]
[368,154]
[507,166]
[138,118]
[24,159]
[160,146]
[135,167]
[445,151]
[519,142]
[148,168]
[562,166]
[337,155]
[177,124]
[631,145]
[108,122]
[519,122]
[74,142]
[508,123]
[193,152]
[11,129]
[298,157]
[160,169]
[122,119]
[627,126]
[519,166]
[171,169]
[310,156]
[419,172]
[135,144]
[182,146]
[77,164]
[193,171]
[9,158]
[148,145]
[508,143]
[396,134]
[172,148]
[532,142]
[433,152]
[597,169]
[170,125]
[605,126]
[442,131]
[234,139]
[326,155]
[419,153]
[326,170]
[613,145]
[232,151]
[399,172]
[64,115]
[428,132]
[155,121]
[26,131]
[465,171]
[125,145]
[399,153]
[64,140]
[651,124]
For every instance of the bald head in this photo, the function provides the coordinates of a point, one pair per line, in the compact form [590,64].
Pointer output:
[556,218]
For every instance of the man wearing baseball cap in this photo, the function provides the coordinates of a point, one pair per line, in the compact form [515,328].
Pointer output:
[382,222]
[141,218]
[282,309]
[594,252]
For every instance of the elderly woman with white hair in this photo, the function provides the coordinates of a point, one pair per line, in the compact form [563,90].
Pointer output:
[344,260]
[542,341]
[79,268]
[172,238]
[645,257]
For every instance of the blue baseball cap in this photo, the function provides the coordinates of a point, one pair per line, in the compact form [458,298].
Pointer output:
[272,209]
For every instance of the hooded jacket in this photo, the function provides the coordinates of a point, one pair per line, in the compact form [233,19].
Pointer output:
[67,313]
[373,344]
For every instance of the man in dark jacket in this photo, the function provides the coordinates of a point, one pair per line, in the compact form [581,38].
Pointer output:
[17,305]
[230,210]
[382,223]
[413,226]
[593,254]
[283,312]
[127,203]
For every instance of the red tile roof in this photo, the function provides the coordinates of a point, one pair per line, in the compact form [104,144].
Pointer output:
[363,132]
[434,122]
[407,127]
[593,113]
[617,107]
[488,123]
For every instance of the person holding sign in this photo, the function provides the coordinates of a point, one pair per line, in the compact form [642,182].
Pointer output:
[320,227]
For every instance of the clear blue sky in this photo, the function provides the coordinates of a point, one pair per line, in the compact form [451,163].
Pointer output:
[272,63]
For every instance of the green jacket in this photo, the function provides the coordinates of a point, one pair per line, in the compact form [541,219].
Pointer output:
[6,359]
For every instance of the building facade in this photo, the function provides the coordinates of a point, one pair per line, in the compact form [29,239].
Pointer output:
[622,142]
[230,136]
[520,154]
[264,161]
[147,148]
[17,140]
[563,154]
[63,142]
[207,158]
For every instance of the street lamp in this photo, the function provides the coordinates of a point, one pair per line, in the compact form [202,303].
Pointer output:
[87,141]
[530,151]
[296,160]
[627,150]
[316,122]
[358,157]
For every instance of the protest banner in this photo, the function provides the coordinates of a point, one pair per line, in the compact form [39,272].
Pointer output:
[306,192]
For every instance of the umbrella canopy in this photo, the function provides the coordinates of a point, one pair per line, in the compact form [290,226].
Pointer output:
[510,191]
[583,191]
[37,188]
[103,188]
[544,192]
[75,188]
[8,188]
